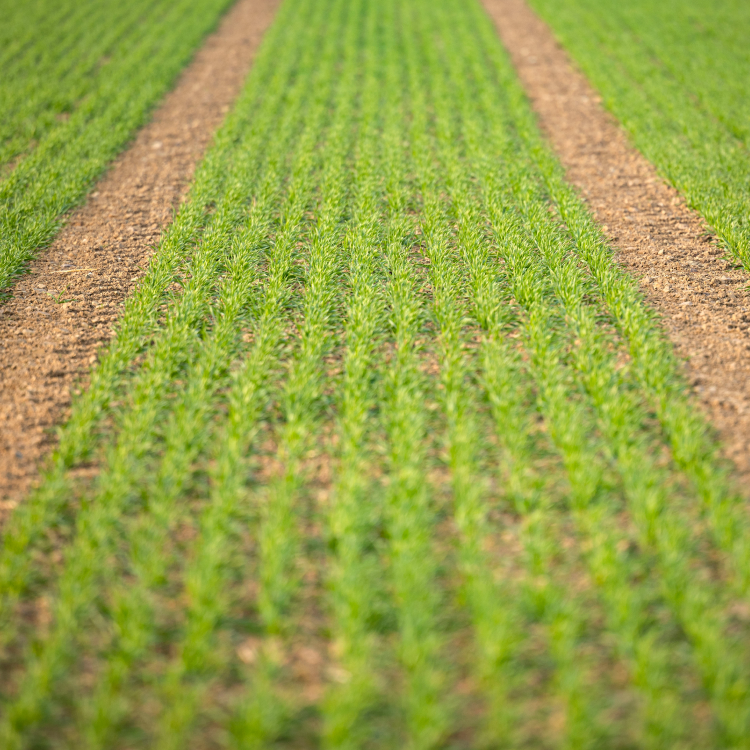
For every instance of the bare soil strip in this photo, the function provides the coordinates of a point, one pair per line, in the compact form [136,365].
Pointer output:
[65,308]
[702,297]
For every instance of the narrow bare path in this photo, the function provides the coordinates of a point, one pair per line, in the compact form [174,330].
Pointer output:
[48,343]
[703,298]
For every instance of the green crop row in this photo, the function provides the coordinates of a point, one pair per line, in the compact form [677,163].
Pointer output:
[78,80]
[673,73]
[389,452]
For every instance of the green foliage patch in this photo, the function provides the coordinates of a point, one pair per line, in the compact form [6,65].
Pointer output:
[674,73]
[389,452]
[78,79]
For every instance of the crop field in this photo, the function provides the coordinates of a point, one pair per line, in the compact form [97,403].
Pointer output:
[77,80]
[386,451]
[674,73]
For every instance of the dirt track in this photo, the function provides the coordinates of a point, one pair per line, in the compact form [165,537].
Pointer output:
[703,299]
[47,343]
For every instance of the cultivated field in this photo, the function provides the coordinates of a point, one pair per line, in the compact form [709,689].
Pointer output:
[78,79]
[386,450]
[675,75]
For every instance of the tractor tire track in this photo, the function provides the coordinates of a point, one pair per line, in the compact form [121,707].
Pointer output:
[64,310]
[702,297]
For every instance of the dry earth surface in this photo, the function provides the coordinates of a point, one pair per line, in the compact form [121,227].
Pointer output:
[703,299]
[48,343]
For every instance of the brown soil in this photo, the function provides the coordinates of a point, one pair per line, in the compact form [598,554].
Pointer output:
[48,344]
[703,299]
